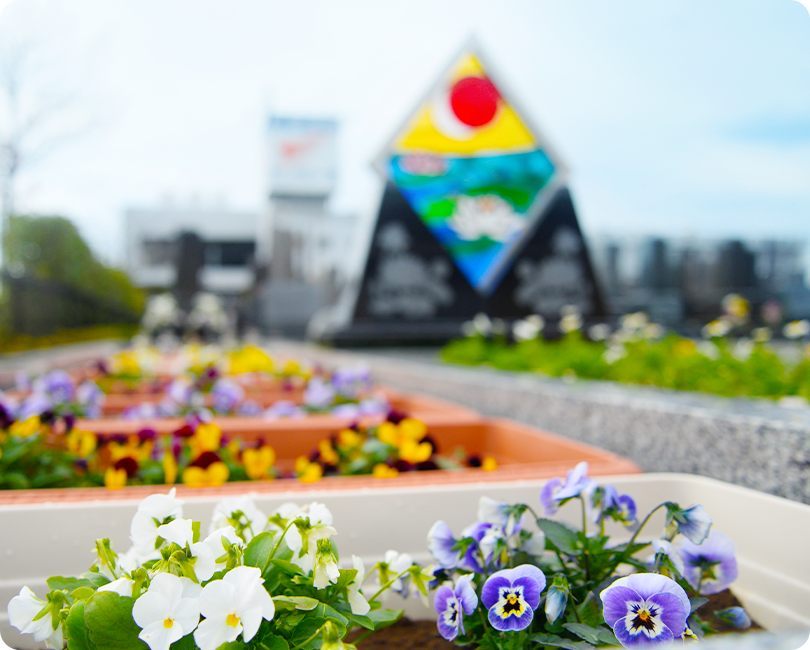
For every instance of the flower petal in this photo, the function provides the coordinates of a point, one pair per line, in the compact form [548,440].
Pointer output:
[489,594]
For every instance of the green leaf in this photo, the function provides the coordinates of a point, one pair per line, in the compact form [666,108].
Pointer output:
[68,584]
[362,621]
[589,611]
[76,632]
[305,629]
[257,552]
[346,578]
[593,635]
[697,602]
[329,612]
[186,643]
[108,617]
[561,536]
[82,593]
[385,617]
[559,642]
[303,603]
[286,567]
[274,642]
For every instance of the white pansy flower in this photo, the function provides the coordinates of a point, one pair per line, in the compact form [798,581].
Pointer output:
[670,550]
[528,328]
[180,532]
[325,570]
[719,327]
[23,609]
[168,611]
[598,332]
[708,350]
[397,563]
[153,511]
[236,604]
[252,520]
[357,601]
[122,587]
[134,558]
[303,540]
[215,543]
[796,329]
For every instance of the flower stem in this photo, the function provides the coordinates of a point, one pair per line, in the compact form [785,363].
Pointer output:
[312,638]
[388,584]
[281,539]
[623,554]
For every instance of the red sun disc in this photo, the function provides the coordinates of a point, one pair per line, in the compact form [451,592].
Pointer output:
[474,100]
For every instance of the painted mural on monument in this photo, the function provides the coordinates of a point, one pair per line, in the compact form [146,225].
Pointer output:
[473,171]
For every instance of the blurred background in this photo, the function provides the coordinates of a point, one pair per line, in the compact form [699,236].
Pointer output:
[225,149]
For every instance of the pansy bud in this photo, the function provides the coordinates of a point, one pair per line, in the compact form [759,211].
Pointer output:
[556,599]
[734,616]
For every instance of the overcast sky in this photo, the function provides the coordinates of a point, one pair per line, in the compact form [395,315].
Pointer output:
[675,117]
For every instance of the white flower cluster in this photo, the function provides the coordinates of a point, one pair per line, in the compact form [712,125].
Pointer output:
[188,579]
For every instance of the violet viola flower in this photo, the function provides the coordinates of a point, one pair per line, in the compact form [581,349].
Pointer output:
[57,385]
[250,407]
[646,609]
[693,523]
[555,491]
[605,502]
[441,545]
[318,395]
[452,604]
[512,595]
[90,397]
[474,559]
[34,404]
[709,567]
[226,394]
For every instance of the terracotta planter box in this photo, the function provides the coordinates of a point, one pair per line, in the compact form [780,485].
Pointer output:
[522,452]
[774,567]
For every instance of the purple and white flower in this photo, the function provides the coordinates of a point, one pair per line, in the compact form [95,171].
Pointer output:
[646,609]
[57,385]
[34,404]
[452,604]
[284,409]
[350,383]
[512,595]
[693,523]
[555,492]
[226,394]
[443,546]
[90,397]
[605,501]
[319,395]
[709,567]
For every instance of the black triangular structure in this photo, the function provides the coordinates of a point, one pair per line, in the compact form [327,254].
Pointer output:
[412,292]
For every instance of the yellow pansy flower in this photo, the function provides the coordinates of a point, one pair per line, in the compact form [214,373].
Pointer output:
[212,476]
[349,439]
[258,462]
[207,437]
[169,469]
[327,453]
[81,443]
[381,470]
[26,428]
[115,479]
[415,452]
[307,471]
[489,464]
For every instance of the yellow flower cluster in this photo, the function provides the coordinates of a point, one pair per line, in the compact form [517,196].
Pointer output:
[406,437]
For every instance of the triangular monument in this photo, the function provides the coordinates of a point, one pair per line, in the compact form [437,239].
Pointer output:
[475,217]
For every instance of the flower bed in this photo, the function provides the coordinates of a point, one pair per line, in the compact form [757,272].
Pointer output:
[519,451]
[773,571]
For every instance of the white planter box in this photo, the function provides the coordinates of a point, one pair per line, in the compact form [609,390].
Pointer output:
[770,533]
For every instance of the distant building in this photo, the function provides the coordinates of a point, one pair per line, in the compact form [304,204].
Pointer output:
[229,241]
[311,249]
[681,283]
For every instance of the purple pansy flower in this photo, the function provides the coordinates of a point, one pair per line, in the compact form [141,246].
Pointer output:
[34,404]
[646,609]
[441,546]
[709,567]
[226,394]
[347,411]
[57,385]
[512,595]
[318,395]
[693,523]
[250,407]
[451,604]
[605,502]
[283,409]
[179,391]
[555,491]
[351,382]
[90,397]
[474,559]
